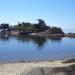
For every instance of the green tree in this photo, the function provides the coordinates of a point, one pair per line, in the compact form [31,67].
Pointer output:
[56,30]
[40,26]
[23,26]
[4,26]
[26,26]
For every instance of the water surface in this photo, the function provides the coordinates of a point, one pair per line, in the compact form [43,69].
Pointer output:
[35,48]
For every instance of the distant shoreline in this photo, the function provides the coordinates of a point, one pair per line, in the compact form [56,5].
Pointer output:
[40,34]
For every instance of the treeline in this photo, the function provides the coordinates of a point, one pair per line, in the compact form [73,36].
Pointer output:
[25,27]
[41,26]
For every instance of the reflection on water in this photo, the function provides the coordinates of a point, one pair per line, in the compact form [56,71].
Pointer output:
[40,41]
[35,48]
[55,39]
[4,37]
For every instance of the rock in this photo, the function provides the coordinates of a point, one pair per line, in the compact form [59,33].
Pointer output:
[51,71]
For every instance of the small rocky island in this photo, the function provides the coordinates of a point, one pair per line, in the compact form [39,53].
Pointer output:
[35,29]
[28,28]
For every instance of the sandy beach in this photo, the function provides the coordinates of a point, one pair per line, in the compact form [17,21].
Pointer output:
[18,68]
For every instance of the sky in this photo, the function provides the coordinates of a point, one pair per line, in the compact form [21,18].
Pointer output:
[60,13]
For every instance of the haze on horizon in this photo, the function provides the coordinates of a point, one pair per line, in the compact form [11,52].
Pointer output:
[59,13]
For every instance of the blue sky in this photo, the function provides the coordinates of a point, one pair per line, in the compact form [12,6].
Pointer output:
[59,13]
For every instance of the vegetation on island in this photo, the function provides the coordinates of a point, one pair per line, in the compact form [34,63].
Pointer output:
[26,27]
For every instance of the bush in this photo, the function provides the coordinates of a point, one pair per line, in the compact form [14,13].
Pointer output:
[56,30]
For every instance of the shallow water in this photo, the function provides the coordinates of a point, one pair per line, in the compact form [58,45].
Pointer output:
[35,48]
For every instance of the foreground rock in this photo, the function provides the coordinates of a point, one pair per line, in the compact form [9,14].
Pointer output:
[49,71]
[37,68]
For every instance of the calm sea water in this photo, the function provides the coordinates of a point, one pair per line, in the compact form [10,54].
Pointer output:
[35,48]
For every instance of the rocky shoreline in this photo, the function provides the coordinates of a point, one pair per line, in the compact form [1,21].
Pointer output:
[39,34]
[44,34]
